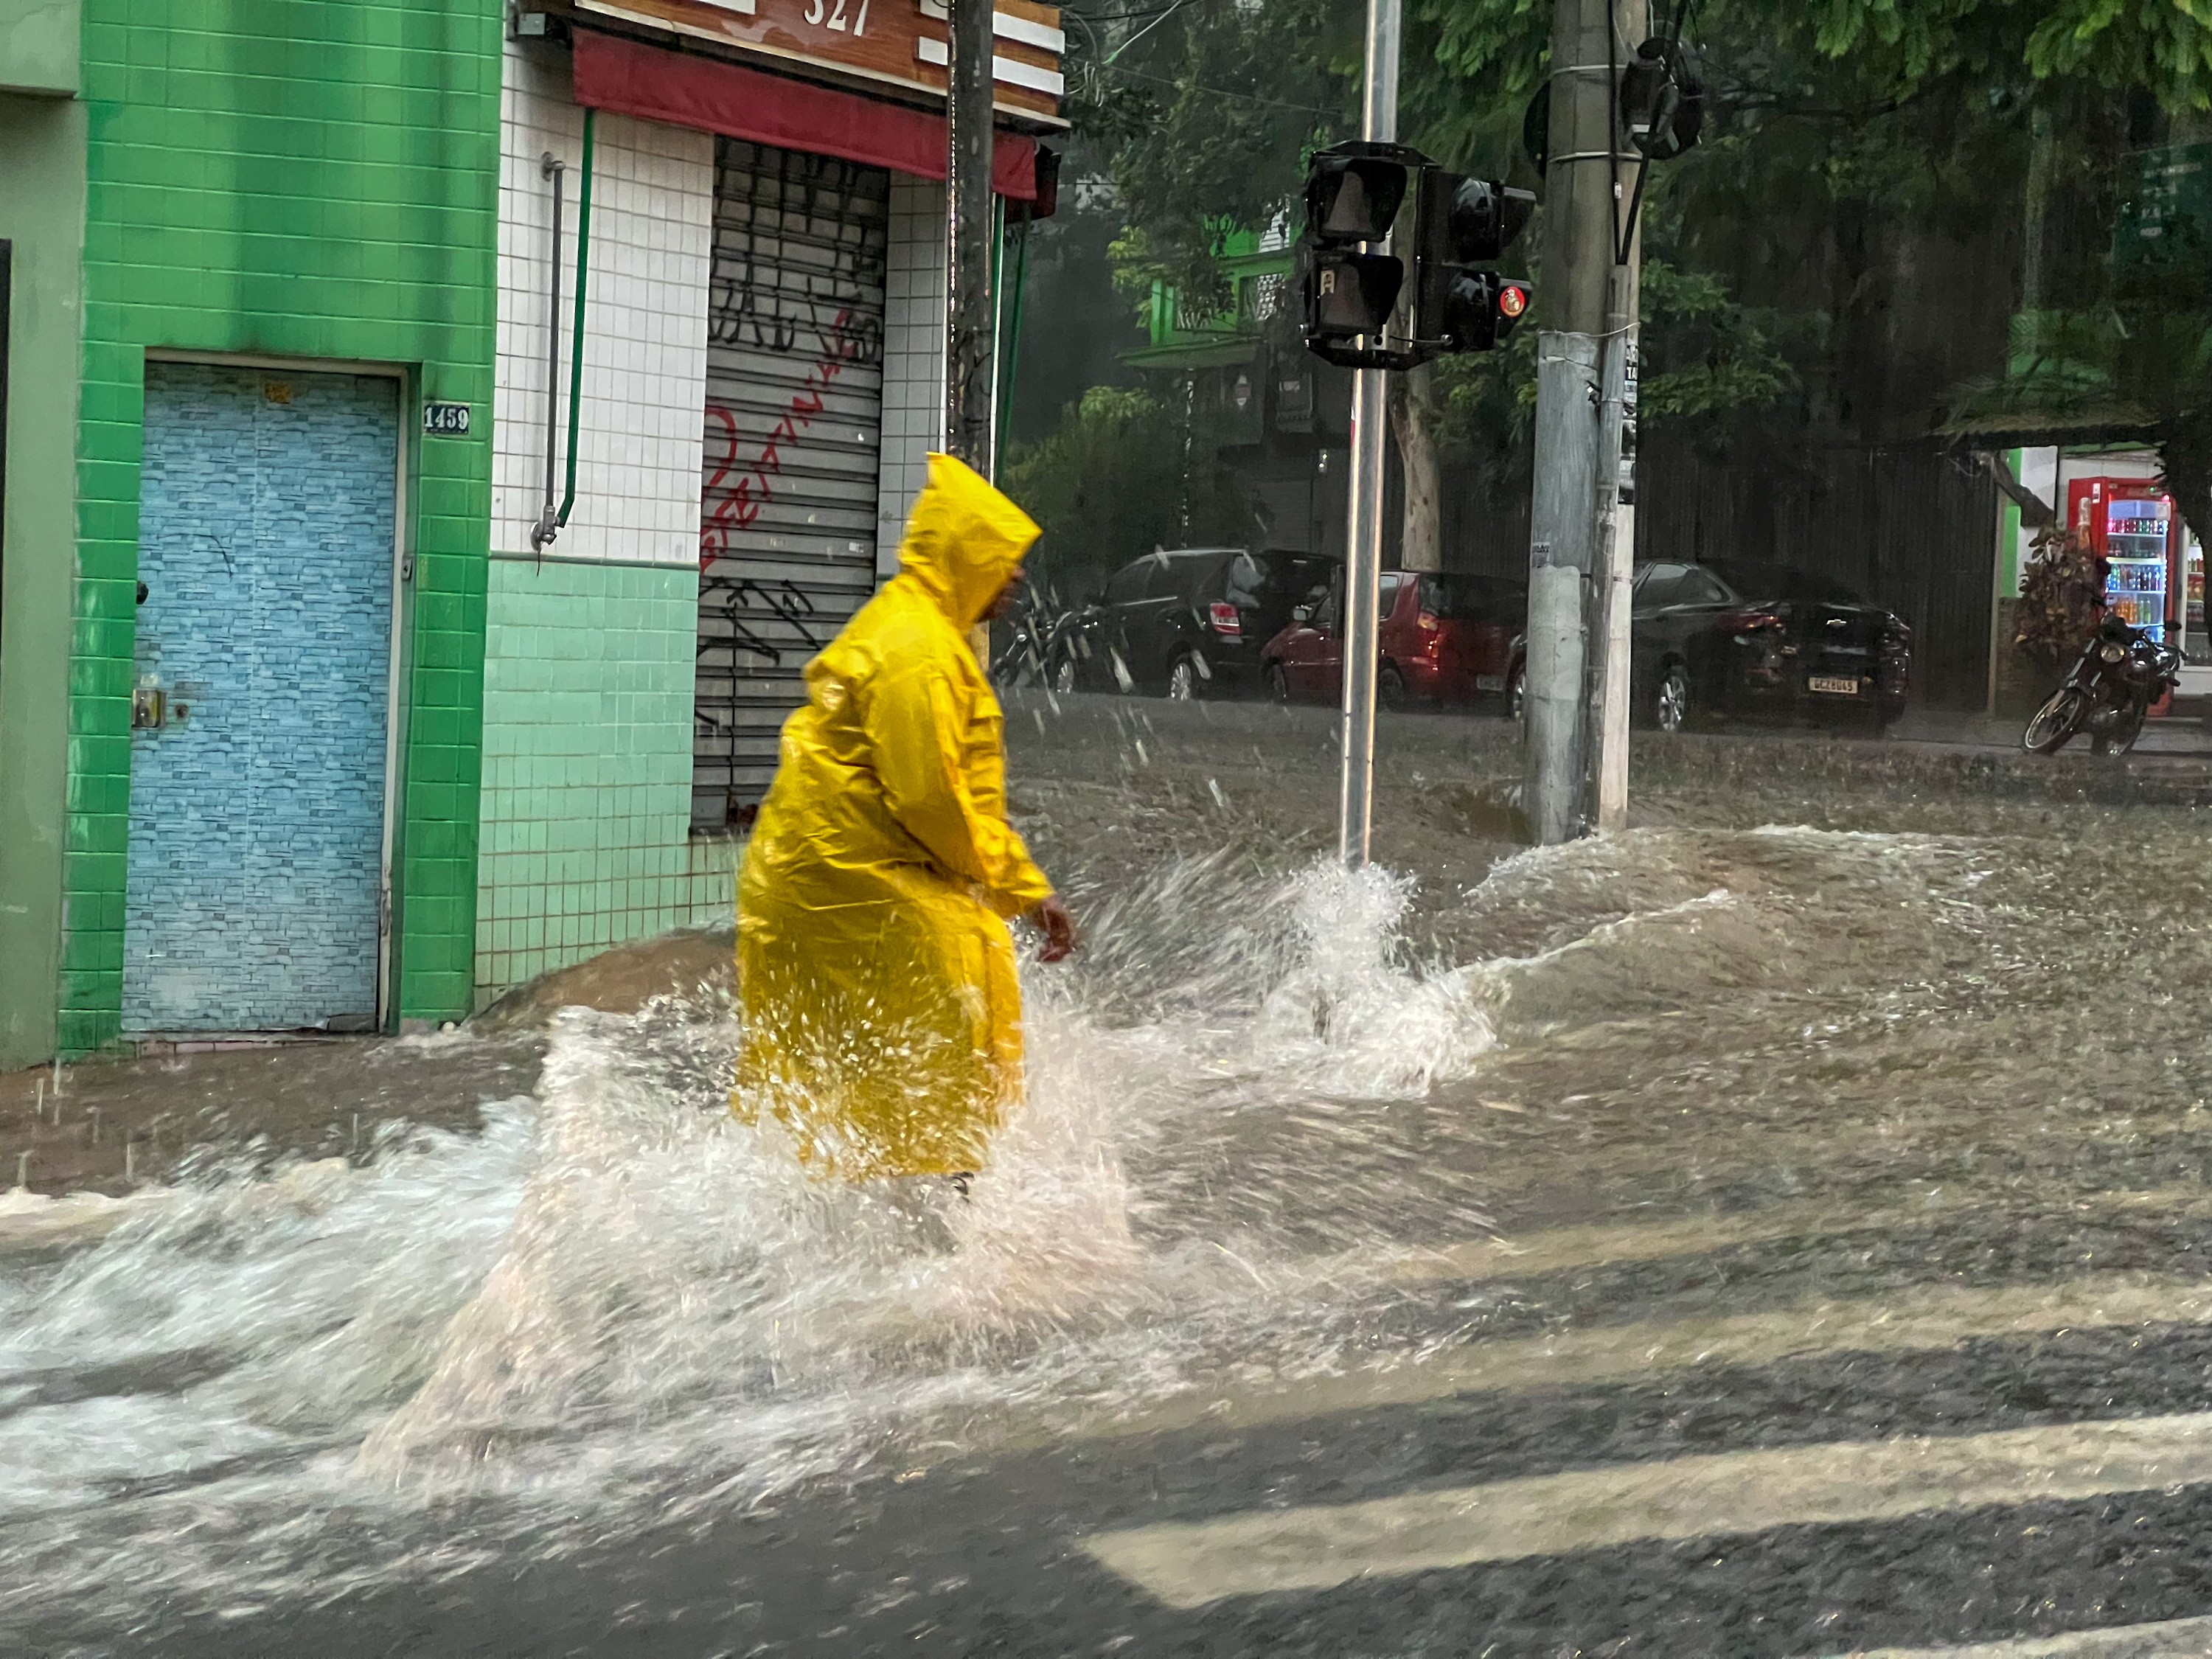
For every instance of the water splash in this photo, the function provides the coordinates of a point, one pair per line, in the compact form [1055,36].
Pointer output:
[618,1302]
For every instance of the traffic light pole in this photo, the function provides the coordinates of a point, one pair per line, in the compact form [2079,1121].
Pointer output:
[1371,423]
[1572,544]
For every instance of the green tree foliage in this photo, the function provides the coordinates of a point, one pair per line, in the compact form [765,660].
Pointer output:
[1851,138]
[1121,474]
[1208,108]
[1709,355]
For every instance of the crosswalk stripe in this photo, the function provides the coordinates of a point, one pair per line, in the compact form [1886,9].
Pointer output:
[1318,1547]
[1558,1249]
[1895,1321]
[2171,1638]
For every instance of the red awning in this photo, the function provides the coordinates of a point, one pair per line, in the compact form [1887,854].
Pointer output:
[629,79]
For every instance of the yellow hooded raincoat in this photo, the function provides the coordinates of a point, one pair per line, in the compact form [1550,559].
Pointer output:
[875,971]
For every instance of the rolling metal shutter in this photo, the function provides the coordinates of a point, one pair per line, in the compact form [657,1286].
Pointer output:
[793,423]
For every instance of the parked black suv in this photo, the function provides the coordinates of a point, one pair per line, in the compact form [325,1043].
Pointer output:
[1185,621]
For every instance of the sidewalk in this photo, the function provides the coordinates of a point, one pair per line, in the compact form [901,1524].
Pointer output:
[2182,735]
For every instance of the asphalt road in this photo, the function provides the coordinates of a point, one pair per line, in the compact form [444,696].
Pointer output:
[1812,1256]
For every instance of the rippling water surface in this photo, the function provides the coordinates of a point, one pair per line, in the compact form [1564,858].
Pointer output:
[1263,1100]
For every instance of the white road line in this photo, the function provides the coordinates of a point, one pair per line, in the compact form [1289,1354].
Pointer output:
[1317,1547]
[1905,1319]
[2173,1638]
[1558,1249]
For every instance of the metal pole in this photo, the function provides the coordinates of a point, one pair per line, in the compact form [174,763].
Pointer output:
[968,318]
[576,328]
[1013,353]
[548,526]
[1371,420]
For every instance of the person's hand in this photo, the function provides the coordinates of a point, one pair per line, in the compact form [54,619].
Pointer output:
[1057,922]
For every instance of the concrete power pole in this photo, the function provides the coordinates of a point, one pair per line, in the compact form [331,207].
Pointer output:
[1573,543]
[968,321]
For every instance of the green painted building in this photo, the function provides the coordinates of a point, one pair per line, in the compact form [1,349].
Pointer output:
[250,314]
[303,725]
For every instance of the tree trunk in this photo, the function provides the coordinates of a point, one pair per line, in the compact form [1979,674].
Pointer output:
[1412,420]
[2185,458]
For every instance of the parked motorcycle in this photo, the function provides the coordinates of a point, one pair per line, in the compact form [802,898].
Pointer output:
[2122,671]
[1065,643]
[1039,643]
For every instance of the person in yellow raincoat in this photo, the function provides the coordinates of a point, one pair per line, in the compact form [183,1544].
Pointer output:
[876,980]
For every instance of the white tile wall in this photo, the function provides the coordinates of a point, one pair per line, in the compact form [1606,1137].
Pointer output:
[645,326]
[914,356]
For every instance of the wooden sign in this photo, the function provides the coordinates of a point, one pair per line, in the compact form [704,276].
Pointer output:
[899,42]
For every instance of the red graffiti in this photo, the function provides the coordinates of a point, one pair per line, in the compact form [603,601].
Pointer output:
[726,509]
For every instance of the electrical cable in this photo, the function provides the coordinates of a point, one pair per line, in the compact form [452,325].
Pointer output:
[1221,92]
[1145,31]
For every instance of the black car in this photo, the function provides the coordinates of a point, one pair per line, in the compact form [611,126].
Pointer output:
[1186,622]
[1760,639]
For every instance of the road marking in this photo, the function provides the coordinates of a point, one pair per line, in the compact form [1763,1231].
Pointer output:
[1318,1547]
[1901,1321]
[2173,1638]
[1558,1249]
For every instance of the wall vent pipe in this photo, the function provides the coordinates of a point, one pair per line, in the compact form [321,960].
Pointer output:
[549,519]
[576,332]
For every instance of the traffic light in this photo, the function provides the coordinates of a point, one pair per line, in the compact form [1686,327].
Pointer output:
[1478,311]
[1464,223]
[1472,221]
[1350,296]
[1351,283]
[1386,289]
[1663,98]
[1354,191]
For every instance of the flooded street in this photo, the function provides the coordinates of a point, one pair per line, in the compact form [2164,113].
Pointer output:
[1780,1229]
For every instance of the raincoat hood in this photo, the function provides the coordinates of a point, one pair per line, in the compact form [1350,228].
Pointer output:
[964,541]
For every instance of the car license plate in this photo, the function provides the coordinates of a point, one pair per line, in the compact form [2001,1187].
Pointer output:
[1490,682]
[1833,684]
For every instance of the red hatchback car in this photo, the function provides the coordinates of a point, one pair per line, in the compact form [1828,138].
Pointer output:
[1444,639]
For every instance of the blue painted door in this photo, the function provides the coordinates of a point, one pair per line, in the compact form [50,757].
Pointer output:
[257,782]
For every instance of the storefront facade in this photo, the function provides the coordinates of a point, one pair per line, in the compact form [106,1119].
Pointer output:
[247,525]
[761,379]
[2111,495]
[302,728]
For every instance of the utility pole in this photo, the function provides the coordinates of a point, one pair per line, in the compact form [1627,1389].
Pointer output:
[970,322]
[1574,545]
[1610,699]
[1370,422]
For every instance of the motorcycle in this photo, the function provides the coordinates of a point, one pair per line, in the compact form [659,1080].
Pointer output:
[1038,644]
[2122,671]
[1067,642]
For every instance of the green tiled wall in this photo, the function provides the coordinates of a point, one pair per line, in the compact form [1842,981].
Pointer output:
[588,672]
[290,180]
[42,218]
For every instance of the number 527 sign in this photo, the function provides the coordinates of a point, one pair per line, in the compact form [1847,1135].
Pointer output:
[897,41]
[830,14]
